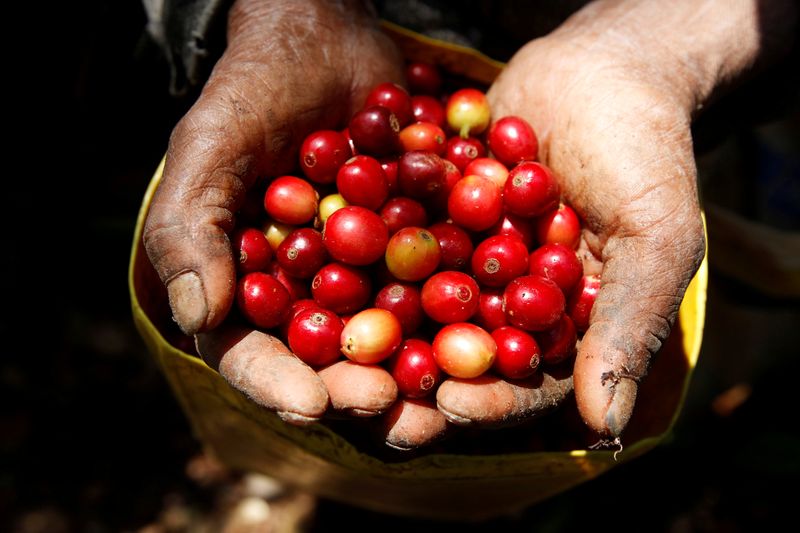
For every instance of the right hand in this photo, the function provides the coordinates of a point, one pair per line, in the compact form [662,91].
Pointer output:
[290,68]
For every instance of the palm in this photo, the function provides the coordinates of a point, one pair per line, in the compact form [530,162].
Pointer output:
[622,151]
[254,112]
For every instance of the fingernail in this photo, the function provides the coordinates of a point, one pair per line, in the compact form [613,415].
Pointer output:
[363,413]
[398,446]
[296,419]
[454,418]
[621,406]
[188,302]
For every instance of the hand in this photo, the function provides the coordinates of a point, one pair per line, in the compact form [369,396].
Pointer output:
[290,68]
[612,94]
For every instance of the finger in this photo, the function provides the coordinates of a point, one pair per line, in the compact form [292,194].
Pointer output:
[254,112]
[359,390]
[263,368]
[216,153]
[210,164]
[411,424]
[642,286]
[490,401]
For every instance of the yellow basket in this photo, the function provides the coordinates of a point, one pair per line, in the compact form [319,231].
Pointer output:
[438,485]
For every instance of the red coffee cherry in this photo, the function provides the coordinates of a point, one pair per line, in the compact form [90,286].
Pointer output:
[414,369]
[262,300]
[355,235]
[464,350]
[362,181]
[533,303]
[405,302]
[252,249]
[450,296]
[322,153]
[499,259]
[291,200]
[512,140]
[530,190]
[518,353]
[314,336]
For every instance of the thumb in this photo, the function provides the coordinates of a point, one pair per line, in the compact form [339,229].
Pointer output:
[240,128]
[209,166]
[252,115]
[644,277]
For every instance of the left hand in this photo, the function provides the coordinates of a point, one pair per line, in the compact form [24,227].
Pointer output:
[612,94]
[613,111]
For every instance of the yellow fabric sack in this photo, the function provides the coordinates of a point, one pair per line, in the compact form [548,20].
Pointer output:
[438,485]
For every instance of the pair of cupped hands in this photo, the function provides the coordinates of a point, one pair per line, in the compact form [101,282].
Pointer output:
[613,123]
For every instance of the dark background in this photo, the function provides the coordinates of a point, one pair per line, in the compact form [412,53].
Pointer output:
[91,437]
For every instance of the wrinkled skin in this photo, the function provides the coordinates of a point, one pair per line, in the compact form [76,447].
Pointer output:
[622,150]
[253,113]
[612,94]
[613,119]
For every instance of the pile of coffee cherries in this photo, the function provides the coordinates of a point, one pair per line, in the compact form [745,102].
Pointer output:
[424,238]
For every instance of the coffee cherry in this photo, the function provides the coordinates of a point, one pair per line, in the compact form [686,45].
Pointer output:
[491,312]
[413,254]
[329,205]
[468,112]
[374,131]
[581,301]
[414,369]
[530,190]
[420,174]
[341,288]
[298,288]
[515,226]
[488,168]
[518,354]
[405,302]
[558,263]
[424,136]
[362,181]
[499,259]
[262,299]
[302,253]
[475,203]
[371,336]
[423,78]
[560,225]
[252,249]
[455,244]
[401,212]
[394,98]
[297,307]
[389,165]
[464,350]
[275,232]
[322,153]
[533,303]
[438,202]
[355,235]
[462,152]
[291,200]
[314,336]
[449,297]
[346,134]
[428,109]
[558,343]
[512,140]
